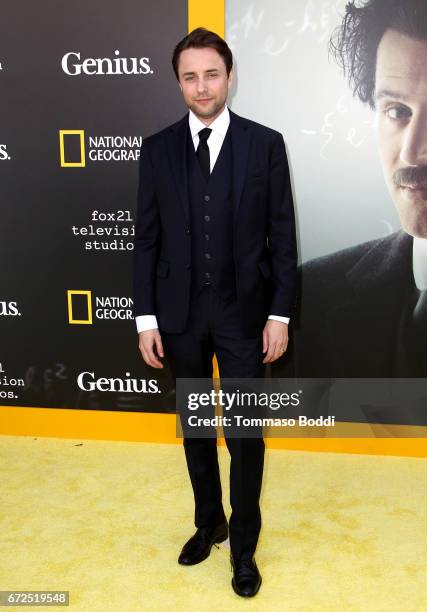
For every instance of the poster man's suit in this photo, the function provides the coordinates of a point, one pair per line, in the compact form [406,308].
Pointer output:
[353,319]
[214,257]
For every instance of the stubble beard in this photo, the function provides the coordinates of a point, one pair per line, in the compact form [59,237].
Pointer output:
[208,113]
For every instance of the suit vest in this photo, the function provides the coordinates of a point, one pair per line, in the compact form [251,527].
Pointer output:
[211,216]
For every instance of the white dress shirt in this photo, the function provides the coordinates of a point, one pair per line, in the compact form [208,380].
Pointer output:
[419,262]
[219,129]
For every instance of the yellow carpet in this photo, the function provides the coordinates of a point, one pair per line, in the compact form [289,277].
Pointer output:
[106,521]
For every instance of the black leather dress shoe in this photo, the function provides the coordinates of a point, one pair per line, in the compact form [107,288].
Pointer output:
[199,545]
[246,579]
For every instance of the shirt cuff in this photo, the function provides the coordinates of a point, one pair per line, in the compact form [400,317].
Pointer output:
[146,322]
[277,318]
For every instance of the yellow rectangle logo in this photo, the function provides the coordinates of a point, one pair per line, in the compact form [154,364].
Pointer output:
[74,164]
[71,319]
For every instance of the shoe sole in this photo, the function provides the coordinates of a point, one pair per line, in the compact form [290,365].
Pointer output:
[218,540]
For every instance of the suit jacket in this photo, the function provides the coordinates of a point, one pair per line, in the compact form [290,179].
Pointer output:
[349,311]
[264,245]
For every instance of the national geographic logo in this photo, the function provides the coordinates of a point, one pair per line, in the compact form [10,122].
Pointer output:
[4,155]
[79,300]
[72,139]
[75,147]
[84,307]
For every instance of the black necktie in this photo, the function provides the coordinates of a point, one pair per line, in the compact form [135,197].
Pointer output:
[203,152]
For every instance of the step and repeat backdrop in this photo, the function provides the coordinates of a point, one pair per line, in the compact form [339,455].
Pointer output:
[82,83]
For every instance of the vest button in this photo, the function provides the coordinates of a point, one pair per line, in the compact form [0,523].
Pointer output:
[207,274]
[187,230]
[208,256]
[206,198]
[187,266]
[207,237]
[207,218]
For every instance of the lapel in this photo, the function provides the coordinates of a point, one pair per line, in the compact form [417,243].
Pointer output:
[364,327]
[385,266]
[177,152]
[240,141]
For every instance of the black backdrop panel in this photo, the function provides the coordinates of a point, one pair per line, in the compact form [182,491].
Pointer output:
[82,83]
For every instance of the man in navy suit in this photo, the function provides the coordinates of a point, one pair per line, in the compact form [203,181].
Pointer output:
[215,272]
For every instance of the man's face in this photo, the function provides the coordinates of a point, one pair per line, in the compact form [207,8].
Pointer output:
[203,81]
[401,103]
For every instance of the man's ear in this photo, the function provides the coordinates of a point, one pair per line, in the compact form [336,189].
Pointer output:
[180,86]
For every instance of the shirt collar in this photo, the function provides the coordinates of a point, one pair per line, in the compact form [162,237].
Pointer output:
[419,262]
[219,126]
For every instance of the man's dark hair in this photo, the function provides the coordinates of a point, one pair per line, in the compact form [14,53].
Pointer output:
[199,39]
[355,42]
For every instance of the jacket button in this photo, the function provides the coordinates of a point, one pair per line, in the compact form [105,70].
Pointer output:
[207,218]
[207,198]
[187,230]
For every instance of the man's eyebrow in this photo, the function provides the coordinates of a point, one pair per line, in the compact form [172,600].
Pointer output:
[389,93]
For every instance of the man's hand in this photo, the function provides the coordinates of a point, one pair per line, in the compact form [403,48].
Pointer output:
[148,341]
[274,340]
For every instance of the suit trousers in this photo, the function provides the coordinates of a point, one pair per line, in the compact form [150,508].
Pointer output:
[214,326]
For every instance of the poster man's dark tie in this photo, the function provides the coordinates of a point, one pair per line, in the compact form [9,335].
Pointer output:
[203,152]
